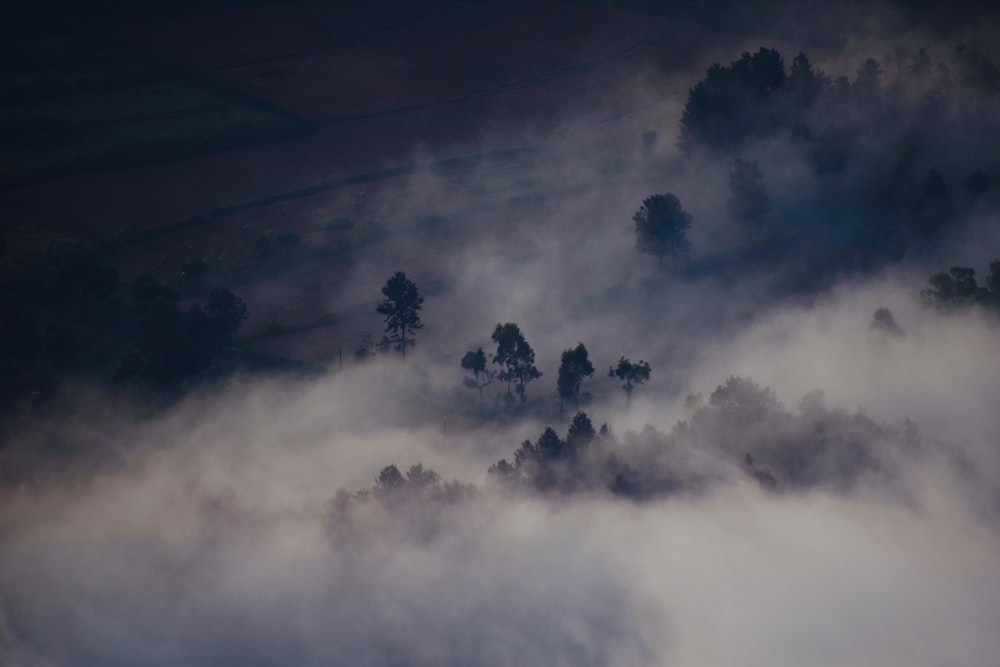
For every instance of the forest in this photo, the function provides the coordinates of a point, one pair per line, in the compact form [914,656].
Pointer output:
[599,390]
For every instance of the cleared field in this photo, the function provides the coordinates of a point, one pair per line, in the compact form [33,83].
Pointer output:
[330,66]
[76,105]
[432,87]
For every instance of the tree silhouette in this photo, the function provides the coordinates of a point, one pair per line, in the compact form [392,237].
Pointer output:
[867,84]
[516,358]
[993,282]
[401,310]
[748,204]
[475,362]
[661,227]
[580,434]
[956,289]
[882,320]
[573,368]
[733,103]
[804,84]
[631,375]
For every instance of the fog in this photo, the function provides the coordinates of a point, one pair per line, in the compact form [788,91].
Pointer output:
[793,485]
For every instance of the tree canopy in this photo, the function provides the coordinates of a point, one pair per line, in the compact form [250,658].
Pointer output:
[475,363]
[748,204]
[515,357]
[401,309]
[631,374]
[574,367]
[733,103]
[661,226]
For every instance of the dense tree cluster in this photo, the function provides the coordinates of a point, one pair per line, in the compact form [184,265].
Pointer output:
[742,430]
[957,289]
[743,100]
[895,150]
[68,313]
[748,204]
[173,346]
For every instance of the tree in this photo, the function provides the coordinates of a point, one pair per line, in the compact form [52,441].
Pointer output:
[516,358]
[631,374]
[882,320]
[732,104]
[475,362]
[401,307]
[748,204]
[581,433]
[743,400]
[804,84]
[661,227]
[868,83]
[574,367]
[993,282]
[955,289]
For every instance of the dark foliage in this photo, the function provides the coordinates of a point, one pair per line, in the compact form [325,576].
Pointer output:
[475,363]
[743,426]
[174,347]
[661,226]
[957,289]
[401,309]
[574,367]
[748,203]
[631,374]
[515,358]
[739,102]
[883,322]
[67,314]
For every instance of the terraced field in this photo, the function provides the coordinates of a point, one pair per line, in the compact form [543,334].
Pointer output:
[190,138]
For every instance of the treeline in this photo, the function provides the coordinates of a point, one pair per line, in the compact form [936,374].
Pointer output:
[742,429]
[957,289]
[896,151]
[68,314]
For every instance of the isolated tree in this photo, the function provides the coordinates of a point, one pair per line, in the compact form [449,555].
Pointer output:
[573,368]
[475,363]
[631,375]
[515,357]
[401,310]
[882,320]
[661,226]
[748,204]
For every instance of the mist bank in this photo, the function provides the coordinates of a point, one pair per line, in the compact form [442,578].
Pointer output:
[161,568]
[251,523]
